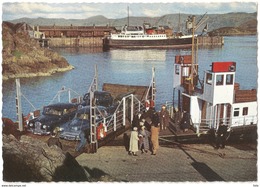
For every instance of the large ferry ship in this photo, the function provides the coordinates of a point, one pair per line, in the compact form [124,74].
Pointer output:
[141,37]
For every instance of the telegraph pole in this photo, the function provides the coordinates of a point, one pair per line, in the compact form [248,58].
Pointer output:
[192,52]
[19,105]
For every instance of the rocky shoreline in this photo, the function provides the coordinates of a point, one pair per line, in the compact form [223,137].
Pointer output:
[23,57]
[39,74]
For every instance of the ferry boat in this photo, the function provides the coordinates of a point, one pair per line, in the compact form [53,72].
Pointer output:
[136,37]
[217,98]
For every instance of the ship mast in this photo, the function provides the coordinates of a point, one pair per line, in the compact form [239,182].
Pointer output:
[127,15]
[179,24]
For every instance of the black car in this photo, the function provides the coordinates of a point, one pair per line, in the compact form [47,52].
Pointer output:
[52,116]
[103,98]
[81,121]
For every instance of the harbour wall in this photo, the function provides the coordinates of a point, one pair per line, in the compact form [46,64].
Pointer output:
[210,40]
[98,42]
[75,42]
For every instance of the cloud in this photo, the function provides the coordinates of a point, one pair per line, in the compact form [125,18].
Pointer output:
[118,10]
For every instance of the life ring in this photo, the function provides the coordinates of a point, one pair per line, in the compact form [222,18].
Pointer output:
[27,118]
[152,103]
[101,132]
[147,104]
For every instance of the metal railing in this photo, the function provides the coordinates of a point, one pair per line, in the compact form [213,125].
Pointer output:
[207,124]
[64,91]
[126,109]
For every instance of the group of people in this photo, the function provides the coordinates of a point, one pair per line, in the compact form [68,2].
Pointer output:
[145,130]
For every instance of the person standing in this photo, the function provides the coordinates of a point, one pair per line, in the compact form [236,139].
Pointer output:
[221,136]
[155,132]
[164,118]
[54,139]
[133,144]
[136,121]
[146,116]
[185,121]
[144,144]
[84,139]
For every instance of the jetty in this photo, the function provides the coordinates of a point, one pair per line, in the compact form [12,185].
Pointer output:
[92,36]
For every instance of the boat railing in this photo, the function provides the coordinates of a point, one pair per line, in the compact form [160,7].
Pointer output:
[170,108]
[206,124]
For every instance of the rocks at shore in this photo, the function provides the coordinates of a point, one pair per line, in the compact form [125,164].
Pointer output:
[23,57]
[30,159]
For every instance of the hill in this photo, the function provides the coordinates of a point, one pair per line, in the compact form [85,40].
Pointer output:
[23,57]
[247,28]
[215,21]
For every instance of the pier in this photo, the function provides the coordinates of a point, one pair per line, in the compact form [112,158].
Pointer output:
[92,36]
[72,36]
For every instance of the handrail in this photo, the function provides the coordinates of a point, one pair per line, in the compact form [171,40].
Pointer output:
[58,94]
[117,119]
[231,122]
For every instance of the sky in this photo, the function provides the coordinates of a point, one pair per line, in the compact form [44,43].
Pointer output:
[116,9]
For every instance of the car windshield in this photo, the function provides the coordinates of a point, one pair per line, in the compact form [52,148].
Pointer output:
[82,116]
[52,111]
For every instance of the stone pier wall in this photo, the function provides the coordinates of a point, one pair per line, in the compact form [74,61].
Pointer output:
[210,41]
[76,42]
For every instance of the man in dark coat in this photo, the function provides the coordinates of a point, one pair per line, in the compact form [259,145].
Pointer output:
[147,116]
[221,136]
[185,121]
[164,118]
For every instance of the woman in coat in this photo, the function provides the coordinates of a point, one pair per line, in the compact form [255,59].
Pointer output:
[133,144]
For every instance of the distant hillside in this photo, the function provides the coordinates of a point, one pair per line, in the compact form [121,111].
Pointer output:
[97,20]
[247,28]
[215,21]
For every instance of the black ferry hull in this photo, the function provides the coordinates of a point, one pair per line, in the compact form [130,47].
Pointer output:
[139,44]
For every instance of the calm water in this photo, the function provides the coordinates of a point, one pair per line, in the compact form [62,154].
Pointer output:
[129,67]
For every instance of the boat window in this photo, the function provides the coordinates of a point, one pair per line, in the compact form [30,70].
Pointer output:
[245,111]
[219,79]
[236,112]
[229,79]
[209,78]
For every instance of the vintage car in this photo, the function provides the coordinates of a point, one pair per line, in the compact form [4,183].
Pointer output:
[81,121]
[52,116]
[103,98]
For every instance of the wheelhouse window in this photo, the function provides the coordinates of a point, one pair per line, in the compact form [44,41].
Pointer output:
[219,79]
[245,111]
[236,112]
[229,79]
[209,78]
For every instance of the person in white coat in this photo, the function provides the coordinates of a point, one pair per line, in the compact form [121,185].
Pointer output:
[133,144]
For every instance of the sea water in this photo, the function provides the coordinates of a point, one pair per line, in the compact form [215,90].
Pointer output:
[131,67]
